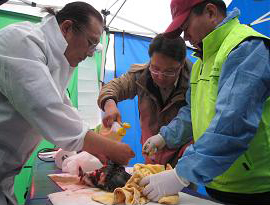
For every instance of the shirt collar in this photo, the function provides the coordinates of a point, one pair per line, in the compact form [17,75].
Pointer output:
[230,15]
[52,31]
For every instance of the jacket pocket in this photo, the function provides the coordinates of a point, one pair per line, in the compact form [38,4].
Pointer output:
[239,170]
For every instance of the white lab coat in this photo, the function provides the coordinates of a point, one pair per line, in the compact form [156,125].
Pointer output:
[34,75]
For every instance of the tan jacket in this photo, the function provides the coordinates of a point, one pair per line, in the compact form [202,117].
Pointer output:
[153,112]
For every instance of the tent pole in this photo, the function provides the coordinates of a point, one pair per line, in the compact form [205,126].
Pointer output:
[103,55]
[261,19]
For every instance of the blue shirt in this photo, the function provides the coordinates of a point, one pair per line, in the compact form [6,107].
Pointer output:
[245,80]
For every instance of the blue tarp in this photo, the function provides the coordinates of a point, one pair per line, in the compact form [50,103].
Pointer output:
[130,49]
[251,10]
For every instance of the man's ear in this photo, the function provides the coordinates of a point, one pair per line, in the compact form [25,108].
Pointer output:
[211,9]
[66,27]
[212,12]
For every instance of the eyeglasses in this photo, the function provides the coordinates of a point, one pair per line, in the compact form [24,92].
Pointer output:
[153,69]
[91,45]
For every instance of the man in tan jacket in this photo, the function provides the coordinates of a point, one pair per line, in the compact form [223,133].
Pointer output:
[160,85]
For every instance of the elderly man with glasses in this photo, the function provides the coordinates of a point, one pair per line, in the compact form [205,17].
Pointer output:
[160,86]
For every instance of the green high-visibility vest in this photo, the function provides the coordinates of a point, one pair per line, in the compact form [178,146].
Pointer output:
[250,173]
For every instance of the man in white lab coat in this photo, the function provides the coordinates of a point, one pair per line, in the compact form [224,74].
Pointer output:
[36,63]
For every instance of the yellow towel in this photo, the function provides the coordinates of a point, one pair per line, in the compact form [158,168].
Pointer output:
[131,193]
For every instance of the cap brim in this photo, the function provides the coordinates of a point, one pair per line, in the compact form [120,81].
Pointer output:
[175,26]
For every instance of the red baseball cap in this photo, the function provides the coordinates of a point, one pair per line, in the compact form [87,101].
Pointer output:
[180,10]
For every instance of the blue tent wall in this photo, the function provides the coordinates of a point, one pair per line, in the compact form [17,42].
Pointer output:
[130,49]
[251,10]
[190,56]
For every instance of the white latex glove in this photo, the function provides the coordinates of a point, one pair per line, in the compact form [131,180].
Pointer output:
[153,144]
[84,160]
[165,183]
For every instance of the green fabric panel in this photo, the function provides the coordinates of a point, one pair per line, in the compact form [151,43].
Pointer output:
[72,90]
[22,184]
[23,180]
[8,17]
[98,57]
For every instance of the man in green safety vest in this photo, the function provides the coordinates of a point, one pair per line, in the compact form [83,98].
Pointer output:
[228,111]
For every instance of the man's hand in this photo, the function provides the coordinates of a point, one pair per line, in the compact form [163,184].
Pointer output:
[120,153]
[99,145]
[153,144]
[111,113]
[165,183]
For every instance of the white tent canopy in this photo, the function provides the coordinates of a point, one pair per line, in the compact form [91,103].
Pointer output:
[136,16]
[144,17]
